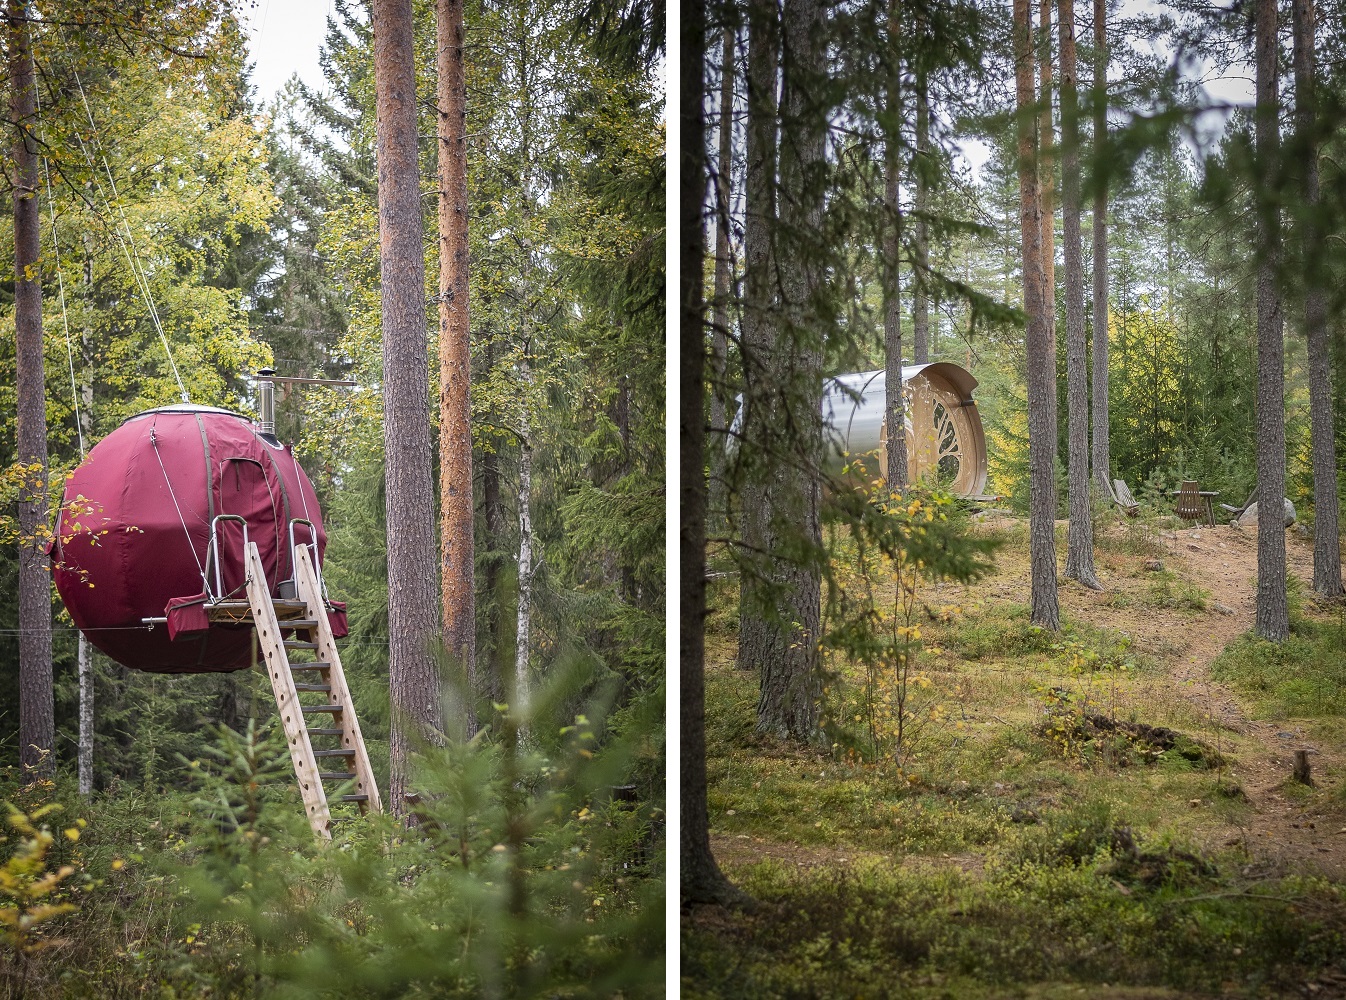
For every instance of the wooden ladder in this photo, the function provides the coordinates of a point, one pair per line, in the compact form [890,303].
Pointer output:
[321,676]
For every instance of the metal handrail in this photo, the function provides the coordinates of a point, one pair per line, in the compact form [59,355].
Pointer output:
[317,564]
[213,552]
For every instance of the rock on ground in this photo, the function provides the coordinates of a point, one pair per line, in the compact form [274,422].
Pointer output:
[1248,519]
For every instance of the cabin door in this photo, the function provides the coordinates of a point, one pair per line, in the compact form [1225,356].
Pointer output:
[245,492]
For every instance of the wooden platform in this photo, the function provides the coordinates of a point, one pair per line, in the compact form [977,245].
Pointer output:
[235,612]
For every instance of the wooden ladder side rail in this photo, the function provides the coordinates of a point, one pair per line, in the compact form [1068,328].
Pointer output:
[309,591]
[271,642]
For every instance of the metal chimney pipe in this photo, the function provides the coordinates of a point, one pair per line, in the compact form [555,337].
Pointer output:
[266,402]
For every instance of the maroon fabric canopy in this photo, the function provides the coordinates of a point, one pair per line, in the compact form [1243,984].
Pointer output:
[135,532]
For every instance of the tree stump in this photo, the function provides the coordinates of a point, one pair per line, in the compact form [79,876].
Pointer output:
[1301,773]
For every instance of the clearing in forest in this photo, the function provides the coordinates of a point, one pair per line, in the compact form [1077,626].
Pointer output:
[1106,812]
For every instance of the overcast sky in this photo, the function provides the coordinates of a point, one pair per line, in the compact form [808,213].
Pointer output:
[284,38]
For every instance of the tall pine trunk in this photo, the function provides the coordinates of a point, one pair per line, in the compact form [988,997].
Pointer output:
[457,550]
[1326,530]
[413,610]
[787,707]
[1040,357]
[1080,537]
[724,282]
[1047,174]
[920,236]
[37,728]
[701,881]
[85,716]
[1273,617]
[1102,460]
[759,640]
[895,418]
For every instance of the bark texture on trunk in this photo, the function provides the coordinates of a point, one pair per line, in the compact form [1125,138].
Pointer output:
[892,254]
[85,716]
[1102,459]
[493,512]
[1047,171]
[1273,617]
[413,607]
[701,879]
[456,545]
[759,641]
[1326,516]
[724,283]
[920,235]
[524,618]
[1080,537]
[1040,357]
[37,727]
[788,703]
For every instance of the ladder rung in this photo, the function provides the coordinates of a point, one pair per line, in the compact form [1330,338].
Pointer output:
[299,623]
[352,798]
[333,753]
[312,709]
[326,688]
[315,665]
[299,644]
[327,732]
[335,775]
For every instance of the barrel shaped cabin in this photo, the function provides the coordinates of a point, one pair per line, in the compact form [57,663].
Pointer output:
[150,548]
[945,441]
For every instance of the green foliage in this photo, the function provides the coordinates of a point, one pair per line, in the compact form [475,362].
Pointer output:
[1304,676]
[874,929]
[915,539]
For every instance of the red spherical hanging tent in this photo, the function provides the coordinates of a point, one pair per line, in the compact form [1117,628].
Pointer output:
[152,534]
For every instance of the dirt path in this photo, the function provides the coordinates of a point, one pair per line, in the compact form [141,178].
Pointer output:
[1284,833]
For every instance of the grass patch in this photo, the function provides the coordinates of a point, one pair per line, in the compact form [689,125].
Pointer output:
[1003,631]
[1302,677]
[1166,590]
[869,929]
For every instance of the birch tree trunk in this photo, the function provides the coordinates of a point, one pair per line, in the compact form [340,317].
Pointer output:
[1040,357]
[85,717]
[1102,460]
[896,417]
[493,511]
[758,640]
[86,677]
[1326,530]
[1080,536]
[1273,617]
[37,727]
[724,283]
[413,611]
[457,550]
[523,621]
[787,707]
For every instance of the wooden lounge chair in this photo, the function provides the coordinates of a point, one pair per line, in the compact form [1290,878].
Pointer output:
[1121,496]
[1191,505]
[1236,512]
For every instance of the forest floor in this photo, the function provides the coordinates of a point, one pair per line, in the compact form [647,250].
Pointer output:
[1106,812]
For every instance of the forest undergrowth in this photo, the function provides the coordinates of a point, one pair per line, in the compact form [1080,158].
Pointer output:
[1108,811]
[528,875]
